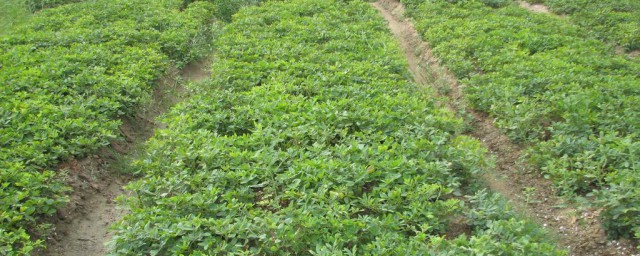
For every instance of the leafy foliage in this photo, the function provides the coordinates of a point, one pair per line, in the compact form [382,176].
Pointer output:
[225,8]
[12,13]
[502,237]
[496,3]
[621,204]
[36,5]
[615,21]
[15,12]
[548,84]
[309,139]
[67,75]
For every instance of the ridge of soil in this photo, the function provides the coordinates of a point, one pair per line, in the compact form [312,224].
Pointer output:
[577,229]
[82,227]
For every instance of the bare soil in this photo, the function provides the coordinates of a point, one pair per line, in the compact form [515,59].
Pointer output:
[577,229]
[82,227]
[631,54]
[539,8]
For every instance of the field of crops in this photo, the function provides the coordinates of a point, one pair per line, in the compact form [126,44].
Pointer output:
[616,21]
[67,75]
[16,12]
[548,84]
[310,139]
[12,13]
[310,136]
[36,5]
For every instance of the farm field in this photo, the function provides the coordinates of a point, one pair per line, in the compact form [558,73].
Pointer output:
[309,139]
[36,5]
[67,75]
[320,127]
[549,85]
[16,12]
[616,21]
[12,13]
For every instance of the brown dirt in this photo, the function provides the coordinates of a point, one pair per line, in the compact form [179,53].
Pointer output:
[197,70]
[82,227]
[631,54]
[578,230]
[539,8]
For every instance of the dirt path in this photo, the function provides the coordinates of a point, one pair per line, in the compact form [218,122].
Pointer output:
[540,8]
[579,230]
[82,228]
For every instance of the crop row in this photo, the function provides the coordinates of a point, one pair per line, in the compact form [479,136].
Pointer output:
[66,76]
[12,12]
[310,139]
[615,21]
[36,5]
[549,85]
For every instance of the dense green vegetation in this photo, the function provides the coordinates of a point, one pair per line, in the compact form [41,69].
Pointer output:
[12,13]
[15,12]
[36,5]
[226,8]
[310,139]
[67,75]
[549,85]
[615,21]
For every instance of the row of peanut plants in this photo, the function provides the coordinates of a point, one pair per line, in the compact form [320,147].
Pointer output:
[66,76]
[616,21]
[310,139]
[551,85]
[15,12]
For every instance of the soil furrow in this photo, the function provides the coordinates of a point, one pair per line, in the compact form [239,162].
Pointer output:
[82,227]
[539,8]
[579,230]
